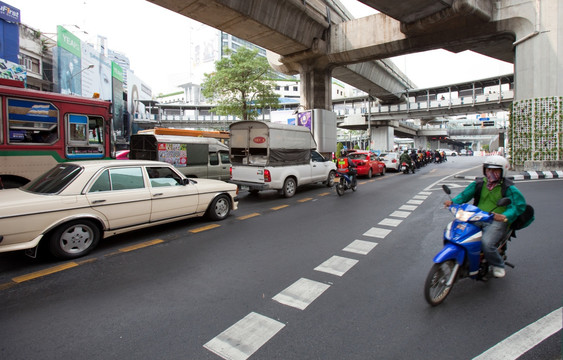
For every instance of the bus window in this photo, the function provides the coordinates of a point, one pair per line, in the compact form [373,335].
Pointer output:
[85,139]
[32,121]
[96,131]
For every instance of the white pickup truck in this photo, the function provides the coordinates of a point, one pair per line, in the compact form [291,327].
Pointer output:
[270,156]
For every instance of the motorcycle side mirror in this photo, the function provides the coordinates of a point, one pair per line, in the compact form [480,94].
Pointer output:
[447,189]
[504,202]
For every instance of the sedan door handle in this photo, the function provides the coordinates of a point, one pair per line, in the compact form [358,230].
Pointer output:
[158,194]
[98,201]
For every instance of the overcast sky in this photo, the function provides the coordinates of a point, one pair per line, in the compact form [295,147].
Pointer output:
[155,40]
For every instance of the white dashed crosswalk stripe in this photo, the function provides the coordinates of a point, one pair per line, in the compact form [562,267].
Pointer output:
[246,336]
[420,197]
[425,193]
[377,232]
[301,294]
[415,202]
[337,265]
[390,222]
[400,214]
[360,247]
[408,207]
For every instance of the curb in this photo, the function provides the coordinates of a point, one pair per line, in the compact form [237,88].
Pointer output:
[527,175]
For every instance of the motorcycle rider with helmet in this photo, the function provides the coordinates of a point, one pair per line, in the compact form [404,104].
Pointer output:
[485,193]
[346,165]
[406,158]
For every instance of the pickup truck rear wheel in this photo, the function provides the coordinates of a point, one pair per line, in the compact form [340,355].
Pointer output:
[330,179]
[289,187]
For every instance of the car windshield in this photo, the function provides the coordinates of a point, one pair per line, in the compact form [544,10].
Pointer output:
[54,180]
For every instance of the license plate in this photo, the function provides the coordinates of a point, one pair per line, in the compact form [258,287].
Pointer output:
[244,187]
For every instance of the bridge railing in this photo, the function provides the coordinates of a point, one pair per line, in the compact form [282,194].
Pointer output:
[460,102]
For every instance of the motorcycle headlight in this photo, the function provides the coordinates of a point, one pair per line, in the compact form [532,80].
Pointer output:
[462,215]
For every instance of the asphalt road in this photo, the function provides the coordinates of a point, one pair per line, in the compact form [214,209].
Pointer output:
[316,276]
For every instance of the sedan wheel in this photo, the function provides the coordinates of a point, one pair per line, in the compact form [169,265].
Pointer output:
[220,208]
[74,239]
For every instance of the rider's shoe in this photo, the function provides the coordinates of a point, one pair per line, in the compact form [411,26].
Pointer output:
[498,272]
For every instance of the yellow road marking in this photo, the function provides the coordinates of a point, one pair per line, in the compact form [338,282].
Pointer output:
[305,200]
[279,207]
[244,217]
[204,228]
[324,194]
[141,245]
[44,272]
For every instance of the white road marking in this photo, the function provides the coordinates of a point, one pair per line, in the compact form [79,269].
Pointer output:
[520,342]
[360,247]
[408,207]
[425,193]
[301,294]
[337,265]
[390,222]
[415,202]
[400,214]
[243,338]
[420,197]
[377,232]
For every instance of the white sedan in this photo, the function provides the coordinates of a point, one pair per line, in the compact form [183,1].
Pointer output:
[391,160]
[75,204]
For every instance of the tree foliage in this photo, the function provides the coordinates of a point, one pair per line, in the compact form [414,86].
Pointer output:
[241,85]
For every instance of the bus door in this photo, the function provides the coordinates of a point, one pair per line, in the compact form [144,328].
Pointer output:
[85,137]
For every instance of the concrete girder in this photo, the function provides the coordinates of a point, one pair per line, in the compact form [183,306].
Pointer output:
[351,43]
[282,26]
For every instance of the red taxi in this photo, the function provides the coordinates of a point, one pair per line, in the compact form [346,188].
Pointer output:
[367,163]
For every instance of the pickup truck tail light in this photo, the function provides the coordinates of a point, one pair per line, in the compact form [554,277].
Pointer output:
[394,161]
[267,176]
[231,173]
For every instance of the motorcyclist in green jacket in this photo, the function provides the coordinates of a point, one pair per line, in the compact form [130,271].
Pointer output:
[494,186]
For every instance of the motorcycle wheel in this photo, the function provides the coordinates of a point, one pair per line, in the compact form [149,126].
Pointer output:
[354,188]
[435,288]
[340,189]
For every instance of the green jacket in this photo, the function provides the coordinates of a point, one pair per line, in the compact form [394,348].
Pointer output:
[488,199]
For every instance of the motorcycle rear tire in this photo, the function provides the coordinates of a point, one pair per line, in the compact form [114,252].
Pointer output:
[340,189]
[435,288]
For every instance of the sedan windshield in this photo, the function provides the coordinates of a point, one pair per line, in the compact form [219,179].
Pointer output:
[54,180]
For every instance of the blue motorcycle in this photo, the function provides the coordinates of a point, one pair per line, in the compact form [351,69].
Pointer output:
[345,183]
[461,256]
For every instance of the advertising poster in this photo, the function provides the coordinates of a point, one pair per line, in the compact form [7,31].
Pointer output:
[304,119]
[69,62]
[97,78]
[174,154]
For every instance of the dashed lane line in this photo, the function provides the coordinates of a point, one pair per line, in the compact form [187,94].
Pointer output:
[279,207]
[360,247]
[204,228]
[243,338]
[44,272]
[337,265]
[301,293]
[244,217]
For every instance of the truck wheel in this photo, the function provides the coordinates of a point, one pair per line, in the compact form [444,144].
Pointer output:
[330,179]
[289,187]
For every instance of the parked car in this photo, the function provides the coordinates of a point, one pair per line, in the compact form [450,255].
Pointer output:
[75,204]
[367,163]
[122,155]
[466,152]
[448,152]
[391,160]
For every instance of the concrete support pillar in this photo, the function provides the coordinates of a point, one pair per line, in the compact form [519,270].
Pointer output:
[536,131]
[421,142]
[382,138]
[316,87]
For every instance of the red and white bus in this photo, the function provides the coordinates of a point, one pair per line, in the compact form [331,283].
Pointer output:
[39,129]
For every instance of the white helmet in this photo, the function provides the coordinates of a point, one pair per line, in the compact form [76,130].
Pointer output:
[496,162]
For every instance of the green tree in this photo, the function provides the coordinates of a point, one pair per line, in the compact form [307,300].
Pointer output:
[241,85]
